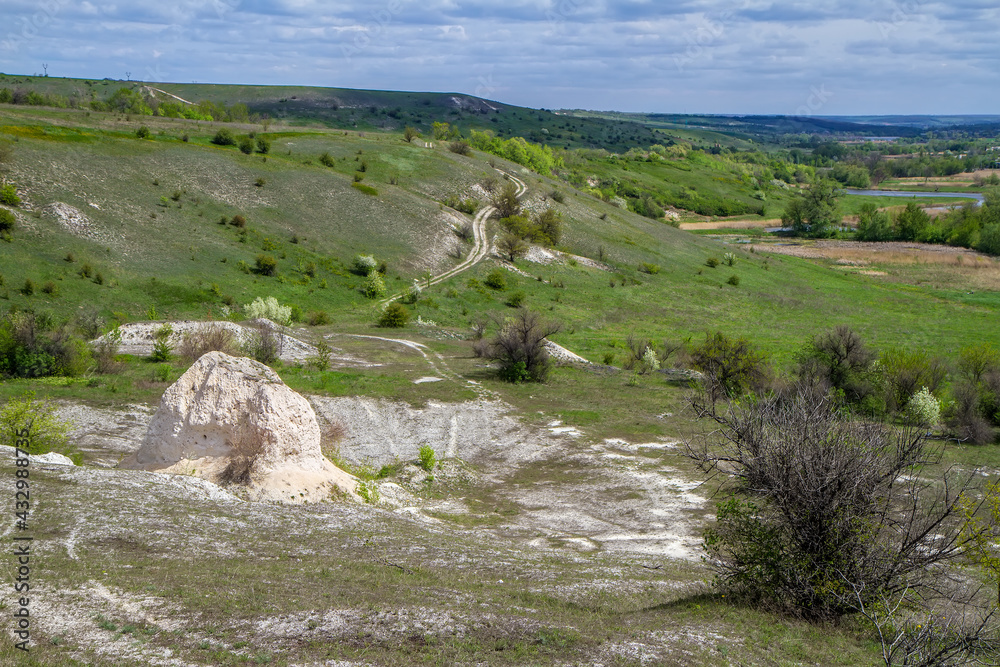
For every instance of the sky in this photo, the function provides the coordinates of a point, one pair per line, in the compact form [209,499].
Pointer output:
[791,57]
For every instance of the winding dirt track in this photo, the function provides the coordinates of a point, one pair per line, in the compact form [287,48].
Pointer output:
[481,245]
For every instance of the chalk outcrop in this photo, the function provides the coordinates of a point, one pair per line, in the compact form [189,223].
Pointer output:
[234,422]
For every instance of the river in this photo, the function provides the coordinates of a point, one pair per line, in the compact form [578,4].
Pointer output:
[902,193]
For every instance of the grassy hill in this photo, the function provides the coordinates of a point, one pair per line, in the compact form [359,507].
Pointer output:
[150,226]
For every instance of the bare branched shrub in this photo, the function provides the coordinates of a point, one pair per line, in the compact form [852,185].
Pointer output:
[519,347]
[826,508]
[246,446]
[264,343]
[636,351]
[465,231]
[106,353]
[211,338]
[331,433]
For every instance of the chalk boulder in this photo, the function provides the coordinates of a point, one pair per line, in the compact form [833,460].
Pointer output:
[233,421]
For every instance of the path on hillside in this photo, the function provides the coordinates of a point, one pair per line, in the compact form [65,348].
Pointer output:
[480,246]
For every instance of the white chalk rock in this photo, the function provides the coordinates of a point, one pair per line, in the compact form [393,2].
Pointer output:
[232,421]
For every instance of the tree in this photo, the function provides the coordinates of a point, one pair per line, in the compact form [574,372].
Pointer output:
[828,514]
[512,246]
[549,227]
[911,222]
[519,348]
[813,213]
[409,134]
[873,224]
[505,201]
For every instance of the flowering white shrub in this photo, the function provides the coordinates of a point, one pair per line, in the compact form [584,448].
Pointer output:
[923,409]
[268,308]
[649,362]
[365,264]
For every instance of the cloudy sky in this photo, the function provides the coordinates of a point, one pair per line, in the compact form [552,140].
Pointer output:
[687,56]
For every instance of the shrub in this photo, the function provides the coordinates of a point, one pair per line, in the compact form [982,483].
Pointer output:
[905,372]
[142,132]
[520,350]
[427,458]
[260,182]
[732,366]
[734,280]
[409,134]
[511,246]
[516,300]
[246,145]
[365,189]
[29,287]
[829,515]
[50,288]
[264,344]
[839,359]
[162,348]
[8,195]
[496,279]
[923,409]
[266,265]
[394,316]
[263,145]
[207,338]
[46,432]
[651,269]
[711,262]
[729,259]
[318,318]
[558,196]
[7,221]
[327,160]
[413,293]
[506,202]
[106,353]
[374,287]
[224,138]
[364,264]
[238,221]
[460,148]
[270,309]
[30,346]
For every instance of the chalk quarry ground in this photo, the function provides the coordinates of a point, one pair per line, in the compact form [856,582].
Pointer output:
[531,543]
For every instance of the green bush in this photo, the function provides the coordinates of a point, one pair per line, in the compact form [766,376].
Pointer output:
[732,366]
[246,145]
[327,160]
[266,265]
[394,316]
[224,138]
[366,189]
[651,269]
[318,318]
[46,432]
[29,287]
[8,196]
[516,300]
[711,262]
[427,458]
[143,132]
[7,221]
[734,280]
[374,287]
[30,347]
[496,279]
[263,145]
[162,348]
